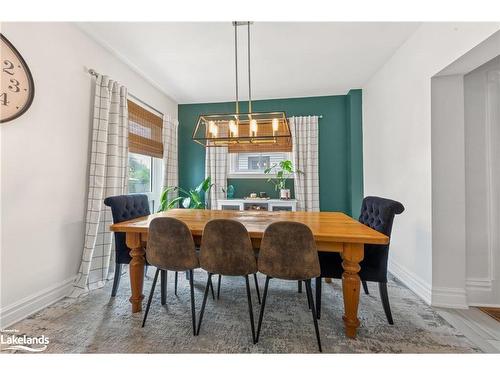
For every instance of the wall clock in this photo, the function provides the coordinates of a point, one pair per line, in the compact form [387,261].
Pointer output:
[17,89]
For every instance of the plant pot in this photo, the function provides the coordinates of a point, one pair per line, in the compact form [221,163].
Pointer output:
[284,193]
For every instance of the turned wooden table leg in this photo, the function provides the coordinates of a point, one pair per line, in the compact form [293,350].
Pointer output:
[136,270]
[352,255]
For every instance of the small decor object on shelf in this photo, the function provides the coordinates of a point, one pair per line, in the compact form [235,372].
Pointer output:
[253,195]
[230,192]
[18,89]
[284,170]
[263,194]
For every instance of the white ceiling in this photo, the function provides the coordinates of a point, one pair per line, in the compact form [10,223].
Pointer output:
[194,62]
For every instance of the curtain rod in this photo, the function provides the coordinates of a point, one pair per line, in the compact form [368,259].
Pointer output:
[92,72]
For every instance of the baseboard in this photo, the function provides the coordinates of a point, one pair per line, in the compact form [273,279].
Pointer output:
[479,304]
[23,308]
[413,282]
[455,298]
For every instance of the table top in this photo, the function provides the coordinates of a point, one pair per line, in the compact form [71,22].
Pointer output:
[326,226]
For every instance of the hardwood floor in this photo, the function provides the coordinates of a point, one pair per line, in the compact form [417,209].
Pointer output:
[494,312]
[478,327]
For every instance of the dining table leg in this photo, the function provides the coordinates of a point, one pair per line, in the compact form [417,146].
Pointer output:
[136,269]
[352,254]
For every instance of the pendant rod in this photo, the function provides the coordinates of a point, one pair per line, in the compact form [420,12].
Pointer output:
[249,77]
[236,63]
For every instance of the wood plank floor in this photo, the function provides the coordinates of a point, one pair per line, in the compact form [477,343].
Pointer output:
[478,327]
[494,312]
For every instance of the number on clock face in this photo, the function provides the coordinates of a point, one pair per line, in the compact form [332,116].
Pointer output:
[16,93]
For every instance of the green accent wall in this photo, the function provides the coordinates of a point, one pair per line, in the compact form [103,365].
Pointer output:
[355,145]
[340,146]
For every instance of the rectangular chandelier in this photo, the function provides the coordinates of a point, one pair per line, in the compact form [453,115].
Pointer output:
[258,131]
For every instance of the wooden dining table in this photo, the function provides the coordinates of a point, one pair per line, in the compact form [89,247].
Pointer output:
[333,232]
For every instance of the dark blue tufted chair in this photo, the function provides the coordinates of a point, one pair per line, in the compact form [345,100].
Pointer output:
[377,213]
[123,208]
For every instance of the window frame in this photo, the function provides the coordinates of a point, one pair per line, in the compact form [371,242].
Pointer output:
[232,157]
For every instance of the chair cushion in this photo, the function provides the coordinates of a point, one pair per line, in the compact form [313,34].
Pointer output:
[288,251]
[226,249]
[123,208]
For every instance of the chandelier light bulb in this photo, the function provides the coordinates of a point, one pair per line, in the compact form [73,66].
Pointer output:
[253,128]
[233,129]
[275,125]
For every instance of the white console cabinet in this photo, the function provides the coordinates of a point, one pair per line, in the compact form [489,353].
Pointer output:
[257,204]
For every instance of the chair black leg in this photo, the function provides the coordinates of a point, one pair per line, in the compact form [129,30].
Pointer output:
[257,287]
[262,306]
[299,286]
[382,287]
[116,280]
[250,309]
[150,297]
[318,297]
[218,286]
[193,314]
[212,289]
[316,328]
[205,295]
[163,284]
[308,299]
[365,287]
[175,287]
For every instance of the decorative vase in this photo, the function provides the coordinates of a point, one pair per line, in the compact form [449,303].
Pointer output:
[284,193]
[230,192]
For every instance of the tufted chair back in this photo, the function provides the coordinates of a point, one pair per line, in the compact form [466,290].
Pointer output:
[171,245]
[378,213]
[288,251]
[123,208]
[226,249]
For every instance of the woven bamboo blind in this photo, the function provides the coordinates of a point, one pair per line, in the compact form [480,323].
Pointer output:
[145,131]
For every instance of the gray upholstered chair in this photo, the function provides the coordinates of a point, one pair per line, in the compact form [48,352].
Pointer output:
[288,251]
[171,248]
[226,249]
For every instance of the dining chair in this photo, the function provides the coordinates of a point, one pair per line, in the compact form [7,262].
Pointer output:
[226,249]
[171,248]
[377,213]
[123,208]
[288,251]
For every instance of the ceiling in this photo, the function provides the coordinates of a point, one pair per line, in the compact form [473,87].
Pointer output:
[193,62]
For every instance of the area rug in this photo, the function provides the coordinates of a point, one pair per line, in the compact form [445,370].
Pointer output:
[97,323]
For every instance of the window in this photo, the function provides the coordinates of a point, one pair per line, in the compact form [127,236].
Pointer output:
[253,164]
[140,168]
[145,153]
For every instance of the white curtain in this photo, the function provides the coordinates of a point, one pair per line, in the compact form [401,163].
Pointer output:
[108,175]
[170,161]
[305,158]
[216,159]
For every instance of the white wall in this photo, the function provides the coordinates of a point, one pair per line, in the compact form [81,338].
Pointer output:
[448,191]
[482,150]
[397,139]
[44,157]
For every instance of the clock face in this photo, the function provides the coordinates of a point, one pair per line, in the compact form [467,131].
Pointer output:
[17,91]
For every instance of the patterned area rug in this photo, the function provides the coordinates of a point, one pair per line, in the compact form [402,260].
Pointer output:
[97,323]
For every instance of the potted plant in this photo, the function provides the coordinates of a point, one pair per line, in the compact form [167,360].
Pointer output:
[283,171]
[193,198]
